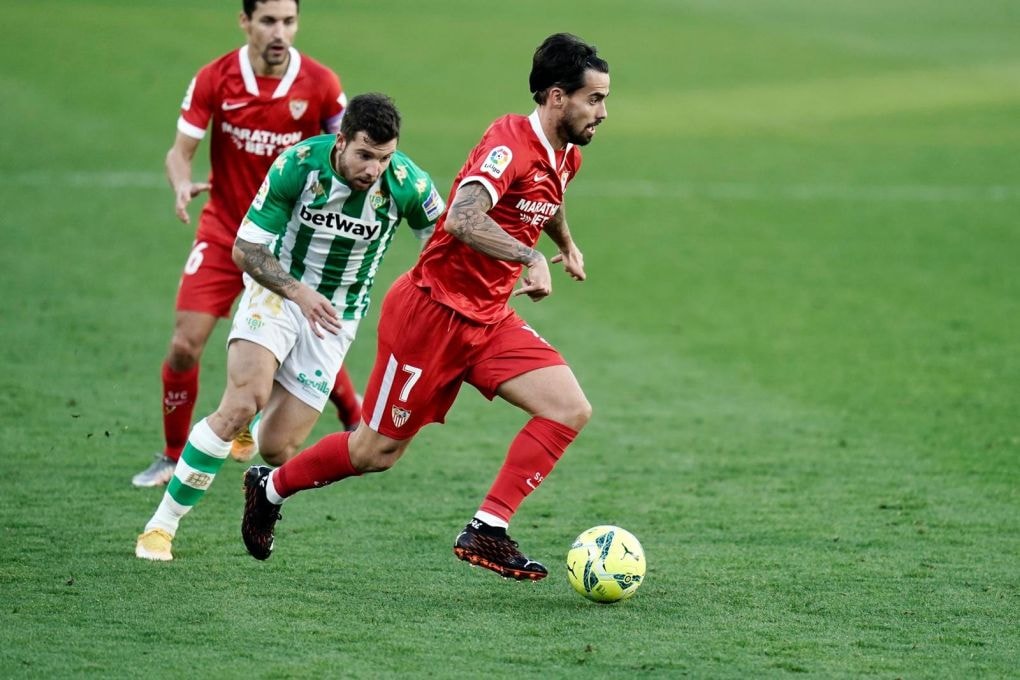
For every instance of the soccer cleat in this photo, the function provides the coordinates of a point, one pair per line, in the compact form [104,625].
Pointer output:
[157,474]
[491,547]
[154,544]
[242,449]
[260,516]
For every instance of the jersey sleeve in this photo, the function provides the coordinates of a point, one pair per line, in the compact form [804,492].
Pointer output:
[418,201]
[334,103]
[495,164]
[197,107]
[272,206]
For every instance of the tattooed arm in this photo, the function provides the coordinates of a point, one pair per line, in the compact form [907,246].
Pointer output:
[258,262]
[572,259]
[468,220]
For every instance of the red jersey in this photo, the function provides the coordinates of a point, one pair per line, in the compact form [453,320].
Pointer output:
[254,118]
[526,179]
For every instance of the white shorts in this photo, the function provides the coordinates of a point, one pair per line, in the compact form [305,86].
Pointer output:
[308,364]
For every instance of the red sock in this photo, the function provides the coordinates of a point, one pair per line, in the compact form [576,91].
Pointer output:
[532,455]
[345,398]
[179,393]
[324,462]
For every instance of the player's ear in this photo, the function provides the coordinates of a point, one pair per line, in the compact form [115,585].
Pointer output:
[556,96]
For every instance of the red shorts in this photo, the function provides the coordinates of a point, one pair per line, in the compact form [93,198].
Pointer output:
[211,281]
[426,350]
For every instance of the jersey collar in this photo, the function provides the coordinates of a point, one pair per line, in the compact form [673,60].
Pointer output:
[251,84]
[536,125]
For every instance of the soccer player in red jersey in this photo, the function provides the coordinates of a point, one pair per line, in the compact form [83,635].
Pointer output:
[255,101]
[447,322]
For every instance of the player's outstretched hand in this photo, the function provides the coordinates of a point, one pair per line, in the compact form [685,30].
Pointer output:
[185,192]
[536,283]
[573,262]
[322,316]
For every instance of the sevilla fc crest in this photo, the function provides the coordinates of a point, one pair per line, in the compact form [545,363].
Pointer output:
[399,415]
[298,108]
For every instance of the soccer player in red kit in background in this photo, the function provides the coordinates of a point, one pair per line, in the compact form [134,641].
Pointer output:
[260,99]
[447,321]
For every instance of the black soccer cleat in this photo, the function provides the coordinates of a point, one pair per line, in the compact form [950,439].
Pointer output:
[491,547]
[260,516]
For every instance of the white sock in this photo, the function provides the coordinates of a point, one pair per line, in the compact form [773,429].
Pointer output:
[271,495]
[491,520]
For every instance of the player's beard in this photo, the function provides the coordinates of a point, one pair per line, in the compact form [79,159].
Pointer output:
[577,131]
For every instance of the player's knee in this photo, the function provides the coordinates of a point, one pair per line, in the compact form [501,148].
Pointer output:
[238,413]
[574,413]
[579,413]
[184,353]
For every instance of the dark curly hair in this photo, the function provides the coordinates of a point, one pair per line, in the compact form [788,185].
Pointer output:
[560,61]
[374,114]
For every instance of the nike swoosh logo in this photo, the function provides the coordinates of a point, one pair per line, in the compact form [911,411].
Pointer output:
[539,176]
[230,106]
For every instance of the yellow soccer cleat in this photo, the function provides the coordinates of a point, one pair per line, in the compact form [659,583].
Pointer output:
[154,544]
[242,449]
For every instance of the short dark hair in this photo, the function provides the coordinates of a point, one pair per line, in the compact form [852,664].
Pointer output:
[248,6]
[374,114]
[560,61]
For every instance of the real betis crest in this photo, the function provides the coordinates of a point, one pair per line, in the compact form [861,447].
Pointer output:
[376,199]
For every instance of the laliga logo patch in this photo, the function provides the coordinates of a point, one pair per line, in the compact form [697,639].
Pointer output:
[298,108]
[260,197]
[497,161]
[399,415]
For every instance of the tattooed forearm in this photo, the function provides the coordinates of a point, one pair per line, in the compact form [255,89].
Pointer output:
[260,264]
[468,221]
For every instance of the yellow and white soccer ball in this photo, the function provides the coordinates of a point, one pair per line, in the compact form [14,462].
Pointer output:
[606,564]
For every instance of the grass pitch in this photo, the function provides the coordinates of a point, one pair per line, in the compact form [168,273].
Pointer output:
[799,335]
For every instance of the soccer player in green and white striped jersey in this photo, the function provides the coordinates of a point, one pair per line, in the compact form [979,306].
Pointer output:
[310,246]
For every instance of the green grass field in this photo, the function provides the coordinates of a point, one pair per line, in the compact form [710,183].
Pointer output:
[800,335]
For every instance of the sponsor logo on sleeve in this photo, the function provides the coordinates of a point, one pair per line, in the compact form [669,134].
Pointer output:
[260,197]
[497,161]
[433,205]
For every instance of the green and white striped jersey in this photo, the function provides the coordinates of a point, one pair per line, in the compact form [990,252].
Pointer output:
[326,234]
